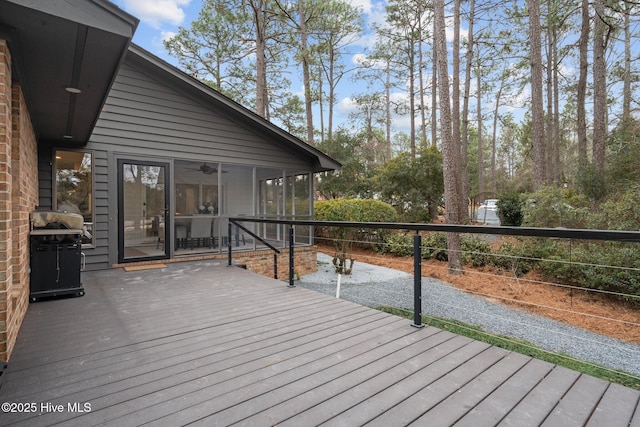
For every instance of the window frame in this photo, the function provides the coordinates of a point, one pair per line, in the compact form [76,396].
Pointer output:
[54,200]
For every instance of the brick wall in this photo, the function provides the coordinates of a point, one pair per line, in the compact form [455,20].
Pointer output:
[261,262]
[18,197]
[24,199]
[6,276]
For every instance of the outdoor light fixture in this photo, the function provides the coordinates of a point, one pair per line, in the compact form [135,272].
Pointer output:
[72,89]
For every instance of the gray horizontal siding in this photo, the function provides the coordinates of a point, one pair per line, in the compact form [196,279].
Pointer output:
[143,113]
[45,177]
[97,258]
[143,117]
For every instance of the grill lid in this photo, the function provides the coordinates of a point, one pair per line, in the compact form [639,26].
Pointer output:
[57,220]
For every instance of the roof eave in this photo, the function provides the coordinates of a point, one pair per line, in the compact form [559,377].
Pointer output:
[322,162]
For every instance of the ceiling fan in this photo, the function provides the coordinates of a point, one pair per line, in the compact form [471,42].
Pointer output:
[206,169]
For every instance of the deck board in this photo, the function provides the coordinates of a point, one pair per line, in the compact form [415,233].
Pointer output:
[615,409]
[456,405]
[212,345]
[502,400]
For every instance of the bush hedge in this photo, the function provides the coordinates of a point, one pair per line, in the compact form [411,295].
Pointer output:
[434,246]
[510,210]
[352,210]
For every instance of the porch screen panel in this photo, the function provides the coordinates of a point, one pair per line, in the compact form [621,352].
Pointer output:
[197,193]
[237,199]
[196,188]
[301,201]
[271,204]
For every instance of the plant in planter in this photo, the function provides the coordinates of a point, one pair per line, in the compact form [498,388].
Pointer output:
[206,208]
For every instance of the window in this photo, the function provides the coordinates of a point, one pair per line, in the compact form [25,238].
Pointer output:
[196,188]
[74,187]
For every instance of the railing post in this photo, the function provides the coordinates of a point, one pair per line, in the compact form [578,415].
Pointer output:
[229,242]
[291,272]
[275,266]
[417,281]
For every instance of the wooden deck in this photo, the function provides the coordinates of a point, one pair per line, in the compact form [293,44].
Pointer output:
[204,344]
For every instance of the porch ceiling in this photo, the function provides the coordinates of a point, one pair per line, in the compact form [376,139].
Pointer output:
[57,44]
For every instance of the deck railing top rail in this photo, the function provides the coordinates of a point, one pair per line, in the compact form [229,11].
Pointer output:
[561,233]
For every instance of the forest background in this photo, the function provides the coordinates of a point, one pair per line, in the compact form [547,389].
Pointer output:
[467,100]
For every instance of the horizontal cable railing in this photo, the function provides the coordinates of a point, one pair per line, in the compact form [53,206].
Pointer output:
[567,304]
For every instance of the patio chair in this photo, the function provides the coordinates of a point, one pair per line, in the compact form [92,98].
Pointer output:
[181,236]
[201,232]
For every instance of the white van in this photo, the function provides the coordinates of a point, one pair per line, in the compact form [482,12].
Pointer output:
[488,212]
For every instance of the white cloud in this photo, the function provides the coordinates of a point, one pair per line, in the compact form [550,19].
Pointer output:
[157,12]
[166,35]
[346,106]
[361,58]
[364,5]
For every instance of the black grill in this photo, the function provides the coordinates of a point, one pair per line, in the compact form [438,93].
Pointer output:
[56,255]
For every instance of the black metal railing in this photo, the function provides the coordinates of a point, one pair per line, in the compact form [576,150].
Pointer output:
[275,250]
[559,233]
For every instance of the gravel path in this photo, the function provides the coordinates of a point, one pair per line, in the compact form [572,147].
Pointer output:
[374,286]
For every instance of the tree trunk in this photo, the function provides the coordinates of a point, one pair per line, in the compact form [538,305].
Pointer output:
[434,91]
[423,107]
[582,89]
[549,84]
[599,89]
[537,116]
[308,101]
[261,62]
[480,136]
[412,99]
[448,149]
[455,116]
[320,103]
[464,141]
[387,94]
[332,96]
[556,112]
[495,131]
[626,90]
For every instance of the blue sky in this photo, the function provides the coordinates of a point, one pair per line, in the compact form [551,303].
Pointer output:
[160,19]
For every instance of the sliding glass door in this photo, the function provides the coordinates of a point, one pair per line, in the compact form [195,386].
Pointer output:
[143,207]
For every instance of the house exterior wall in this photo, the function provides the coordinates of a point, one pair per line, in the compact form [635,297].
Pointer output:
[144,115]
[18,197]
[146,118]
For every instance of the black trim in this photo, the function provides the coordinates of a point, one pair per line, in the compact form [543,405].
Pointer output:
[167,199]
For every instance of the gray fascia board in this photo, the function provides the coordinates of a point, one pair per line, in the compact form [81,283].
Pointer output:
[112,19]
[324,162]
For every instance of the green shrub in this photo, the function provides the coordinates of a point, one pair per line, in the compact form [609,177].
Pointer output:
[355,210]
[619,212]
[399,244]
[352,210]
[607,266]
[475,250]
[510,210]
[434,246]
[416,215]
[556,207]
[510,258]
